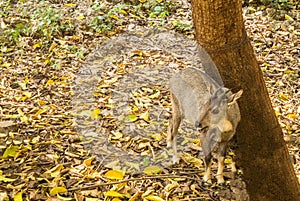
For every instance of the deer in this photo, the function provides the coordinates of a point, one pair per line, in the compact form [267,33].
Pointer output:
[209,106]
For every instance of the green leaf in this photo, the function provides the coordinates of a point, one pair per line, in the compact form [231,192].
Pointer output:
[10,151]
[131,118]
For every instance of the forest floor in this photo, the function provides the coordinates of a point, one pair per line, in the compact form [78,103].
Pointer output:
[84,102]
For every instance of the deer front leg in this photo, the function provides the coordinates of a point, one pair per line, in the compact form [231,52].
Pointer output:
[221,152]
[219,176]
[173,128]
[207,175]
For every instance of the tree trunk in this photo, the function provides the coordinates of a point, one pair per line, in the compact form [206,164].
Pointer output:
[262,153]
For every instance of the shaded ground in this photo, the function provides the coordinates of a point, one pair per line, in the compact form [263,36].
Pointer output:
[47,48]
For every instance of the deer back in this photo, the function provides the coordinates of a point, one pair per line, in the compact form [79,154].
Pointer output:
[192,90]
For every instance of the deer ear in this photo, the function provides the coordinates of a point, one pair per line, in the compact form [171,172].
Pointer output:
[220,92]
[235,96]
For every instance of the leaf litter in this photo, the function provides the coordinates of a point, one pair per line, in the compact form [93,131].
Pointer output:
[48,149]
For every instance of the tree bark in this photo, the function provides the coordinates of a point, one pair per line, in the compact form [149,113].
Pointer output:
[262,153]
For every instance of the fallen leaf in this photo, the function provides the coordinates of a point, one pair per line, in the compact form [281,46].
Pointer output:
[88,161]
[57,190]
[150,170]
[113,194]
[130,118]
[114,174]
[18,196]
[10,151]
[153,198]
[145,116]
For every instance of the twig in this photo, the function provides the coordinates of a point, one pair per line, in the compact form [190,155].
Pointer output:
[132,179]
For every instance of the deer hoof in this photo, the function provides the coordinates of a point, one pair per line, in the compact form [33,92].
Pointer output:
[220,179]
[175,159]
[207,180]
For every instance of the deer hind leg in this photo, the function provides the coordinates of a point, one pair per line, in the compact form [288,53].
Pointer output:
[174,124]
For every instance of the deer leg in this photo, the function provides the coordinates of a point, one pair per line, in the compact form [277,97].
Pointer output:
[233,167]
[219,176]
[207,176]
[221,158]
[173,128]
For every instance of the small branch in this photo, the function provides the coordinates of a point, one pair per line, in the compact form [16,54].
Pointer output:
[132,179]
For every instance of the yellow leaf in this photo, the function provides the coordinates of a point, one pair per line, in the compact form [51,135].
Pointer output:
[49,82]
[171,186]
[41,102]
[192,160]
[292,115]
[41,111]
[228,160]
[114,174]
[114,17]
[70,5]
[5,179]
[154,198]
[47,61]
[135,196]
[35,140]
[266,64]
[55,170]
[80,17]
[37,45]
[24,119]
[131,118]
[156,95]
[135,109]
[23,85]
[123,12]
[57,190]
[145,116]
[117,135]
[288,71]
[52,47]
[152,170]
[116,199]
[88,161]
[10,151]
[156,136]
[96,113]
[6,65]
[283,97]
[287,17]
[26,95]
[113,194]
[18,196]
